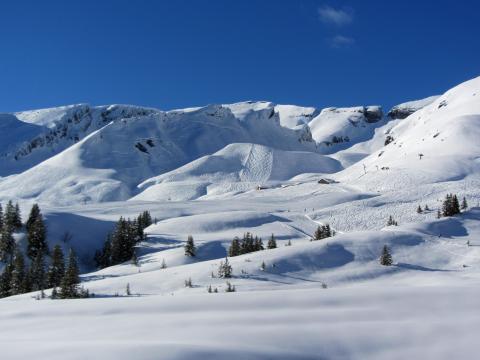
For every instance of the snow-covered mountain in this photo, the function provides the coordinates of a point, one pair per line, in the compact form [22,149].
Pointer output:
[219,171]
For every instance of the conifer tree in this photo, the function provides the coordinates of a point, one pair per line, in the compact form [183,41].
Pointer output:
[272,243]
[36,236]
[17,280]
[464,204]
[426,208]
[127,290]
[163,265]
[10,217]
[234,249]
[56,269]
[386,257]
[190,247]
[17,219]
[419,209]
[391,222]
[7,243]
[70,281]
[34,214]
[439,214]
[258,244]
[230,287]
[37,272]
[1,218]
[225,269]
[6,279]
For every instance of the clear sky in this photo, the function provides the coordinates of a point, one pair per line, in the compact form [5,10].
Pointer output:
[179,53]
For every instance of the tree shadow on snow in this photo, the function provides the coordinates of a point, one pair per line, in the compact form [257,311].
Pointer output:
[418,267]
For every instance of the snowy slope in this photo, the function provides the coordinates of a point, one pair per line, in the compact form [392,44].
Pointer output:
[234,168]
[335,129]
[109,163]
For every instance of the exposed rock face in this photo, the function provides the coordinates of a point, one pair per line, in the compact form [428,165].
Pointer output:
[373,113]
[404,110]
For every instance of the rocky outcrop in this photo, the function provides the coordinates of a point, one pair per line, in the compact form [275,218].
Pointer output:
[404,110]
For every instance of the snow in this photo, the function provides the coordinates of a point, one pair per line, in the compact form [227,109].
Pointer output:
[219,171]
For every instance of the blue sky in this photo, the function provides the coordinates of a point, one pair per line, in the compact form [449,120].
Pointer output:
[172,54]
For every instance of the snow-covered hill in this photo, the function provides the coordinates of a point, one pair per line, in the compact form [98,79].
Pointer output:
[220,171]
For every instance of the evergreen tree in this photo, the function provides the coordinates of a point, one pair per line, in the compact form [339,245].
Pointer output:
[439,214]
[1,218]
[7,243]
[391,222]
[6,280]
[37,273]
[36,237]
[103,257]
[272,243]
[230,287]
[386,257]
[225,269]
[56,269]
[450,205]
[258,244]
[124,239]
[17,219]
[127,290]
[289,243]
[70,281]
[419,209]
[164,264]
[427,208]
[190,247]
[322,232]
[234,249]
[34,215]
[17,280]
[464,204]
[9,217]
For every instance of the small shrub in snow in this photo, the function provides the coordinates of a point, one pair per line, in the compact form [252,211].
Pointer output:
[188,283]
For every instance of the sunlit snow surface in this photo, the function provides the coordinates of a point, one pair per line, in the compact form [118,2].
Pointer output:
[219,171]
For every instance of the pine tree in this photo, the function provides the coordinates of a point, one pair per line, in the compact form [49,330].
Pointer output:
[7,243]
[6,279]
[36,237]
[127,290]
[426,208]
[272,243]
[391,222]
[188,283]
[439,214]
[209,289]
[17,219]
[1,218]
[164,264]
[9,217]
[18,274]
[258,244]
[386,257]
[70,281]
[34,214]
[450,205]
[190,247]
[230,287]
[234,249]
[37,272]
[225,269]
[56,269]
[464,204]
[419,209]
[289,243]
[263,266]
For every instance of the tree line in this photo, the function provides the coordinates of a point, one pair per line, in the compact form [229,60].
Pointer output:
[120,245]
[40,268]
